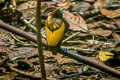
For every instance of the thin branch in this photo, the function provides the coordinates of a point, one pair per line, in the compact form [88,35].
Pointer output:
[68,38]
[39,39]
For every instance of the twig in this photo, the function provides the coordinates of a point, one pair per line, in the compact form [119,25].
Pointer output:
[77,49]
[68,38]
[112,6]
[28,24]
[3,60]
[14,37]
[75,42]
[21,42]
[39,40]
[31,20]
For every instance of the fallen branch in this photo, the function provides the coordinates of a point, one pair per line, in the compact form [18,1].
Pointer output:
[86,60]
[25,73]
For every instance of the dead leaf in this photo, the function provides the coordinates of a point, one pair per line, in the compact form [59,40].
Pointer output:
[27,5]
[32,5]
[80,6]
[9,15]
[65,60]
[76,22]
[118,23]
[93,25]
[23,52]
[68,69]
[110,26]
[116,36]
[101,32]
[99,4]
[49,68]
[110,13]
[3,47]
[65,5]
[90,1]
[105,55]
[59,57]
[8,76]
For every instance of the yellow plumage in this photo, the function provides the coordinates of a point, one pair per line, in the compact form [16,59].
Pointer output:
[55,37]
[55,28]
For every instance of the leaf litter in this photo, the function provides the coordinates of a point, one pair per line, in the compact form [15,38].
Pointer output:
[96,33]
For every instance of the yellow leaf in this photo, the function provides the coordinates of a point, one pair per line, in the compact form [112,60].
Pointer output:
[105,55]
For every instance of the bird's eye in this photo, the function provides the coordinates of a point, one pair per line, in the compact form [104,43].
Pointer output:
[61,10]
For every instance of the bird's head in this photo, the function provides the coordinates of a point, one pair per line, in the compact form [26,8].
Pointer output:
[57,12]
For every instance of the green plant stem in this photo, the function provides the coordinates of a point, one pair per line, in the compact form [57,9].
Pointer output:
[39,40]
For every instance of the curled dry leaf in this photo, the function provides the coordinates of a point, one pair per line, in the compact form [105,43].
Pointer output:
[65,5]
[101,32]
[110,13]
[105,55]
[76,22]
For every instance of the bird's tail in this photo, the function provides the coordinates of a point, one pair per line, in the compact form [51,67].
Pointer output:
[54,50]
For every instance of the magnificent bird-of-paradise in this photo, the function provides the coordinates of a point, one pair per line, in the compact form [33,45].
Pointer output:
[55,26]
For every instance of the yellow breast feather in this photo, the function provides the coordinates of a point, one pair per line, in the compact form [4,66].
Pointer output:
[55,37]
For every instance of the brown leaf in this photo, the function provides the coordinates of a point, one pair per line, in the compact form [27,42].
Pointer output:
[99,4]
[116,36]
[90,1]
[110,26]
[3,47]
[118,23]
[110,13]
[27,5]
[76,22]
[65,5]
[64,60]
[80,6]
[101,32]
[117,49]
[8,76]
[58,57]
[23,52]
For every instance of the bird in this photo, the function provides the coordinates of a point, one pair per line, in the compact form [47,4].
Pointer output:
[56,27]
